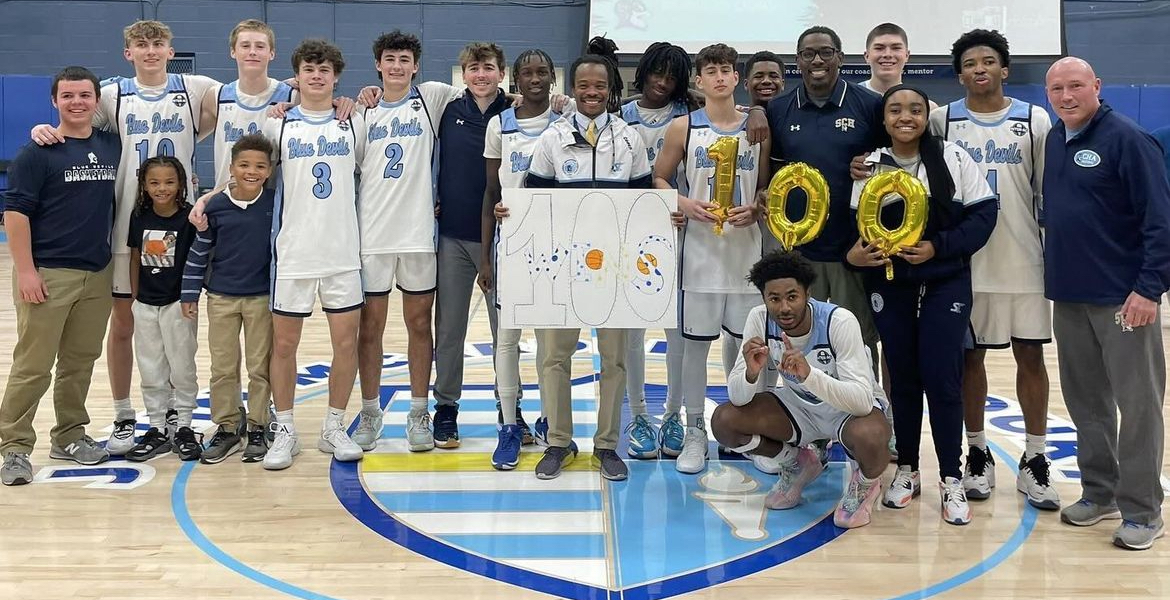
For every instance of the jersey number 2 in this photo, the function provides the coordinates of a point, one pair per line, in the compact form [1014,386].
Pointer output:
[394,162]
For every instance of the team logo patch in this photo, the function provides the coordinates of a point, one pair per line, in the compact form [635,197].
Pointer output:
[570,166]
[343,125]
[844,124]
[1087,158]
[1019,129]
[179,100]
[416,105]
[823,357]
[876,302]
[578,536]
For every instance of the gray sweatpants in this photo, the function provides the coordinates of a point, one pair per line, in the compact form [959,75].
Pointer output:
[458,266]
[1104,371]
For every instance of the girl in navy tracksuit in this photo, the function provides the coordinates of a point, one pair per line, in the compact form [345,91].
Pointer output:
[923,314]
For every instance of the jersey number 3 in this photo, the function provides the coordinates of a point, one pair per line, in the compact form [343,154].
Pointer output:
[323,187]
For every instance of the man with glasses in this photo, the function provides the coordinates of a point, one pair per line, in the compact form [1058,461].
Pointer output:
[825,122]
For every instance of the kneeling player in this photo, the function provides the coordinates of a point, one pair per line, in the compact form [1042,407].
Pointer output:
[827,391]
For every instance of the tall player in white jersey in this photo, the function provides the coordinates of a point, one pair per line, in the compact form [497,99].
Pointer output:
[241,107]
[155,113]
[663,78]
[509,141]
[716,295]
[1006,138]
[396,214]
[315,246]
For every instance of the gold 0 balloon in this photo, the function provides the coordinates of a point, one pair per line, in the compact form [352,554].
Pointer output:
[816,212]
[723,153]
[869,224]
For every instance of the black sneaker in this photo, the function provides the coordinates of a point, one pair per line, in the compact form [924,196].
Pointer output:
[223,444]
[270,431]
[555,458]
[526,438]
[188,444]
[257,446]
[152,443]
[611,465]
[446,426]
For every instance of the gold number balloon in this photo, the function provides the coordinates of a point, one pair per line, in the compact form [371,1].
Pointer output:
[723,153]
[816,212]
[869,208]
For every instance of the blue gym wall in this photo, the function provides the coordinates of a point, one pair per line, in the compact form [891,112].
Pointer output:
[1125,41]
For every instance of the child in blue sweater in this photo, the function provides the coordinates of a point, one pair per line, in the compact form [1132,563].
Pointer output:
[235,249]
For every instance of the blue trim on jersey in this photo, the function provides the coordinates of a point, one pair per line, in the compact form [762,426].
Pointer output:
[700,120]
[127,87]
[631,117]
[509,123]
[1017,111]
[413,93]
[296,115]
[229,94]
[822,313]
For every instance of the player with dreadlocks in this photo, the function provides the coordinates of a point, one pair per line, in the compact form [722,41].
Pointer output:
[663,79]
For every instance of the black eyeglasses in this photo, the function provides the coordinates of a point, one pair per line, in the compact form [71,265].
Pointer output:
[826,53]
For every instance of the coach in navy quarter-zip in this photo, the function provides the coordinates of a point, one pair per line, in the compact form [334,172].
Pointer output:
[1106,266]
[590,149]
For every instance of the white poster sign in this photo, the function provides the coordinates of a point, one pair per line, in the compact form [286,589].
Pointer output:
[587,258]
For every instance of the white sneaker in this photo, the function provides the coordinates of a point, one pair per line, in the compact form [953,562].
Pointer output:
[765,464]
[284,447]
[369,429]
[693,457]
[335,441]
[906,485]
[419,435]
[955,509]
[978,473]
[1033,481]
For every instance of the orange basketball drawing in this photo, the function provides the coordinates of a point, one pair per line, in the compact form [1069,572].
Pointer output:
[644,264]
[594,259]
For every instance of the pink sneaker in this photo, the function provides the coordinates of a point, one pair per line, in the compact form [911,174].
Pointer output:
[794,475]
[856,506]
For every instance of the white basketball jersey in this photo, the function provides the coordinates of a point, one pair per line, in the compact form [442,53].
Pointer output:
[516,146]
[396,200]
[315,227]
[718,263]
[240,115]
[1009,149]
[150,126]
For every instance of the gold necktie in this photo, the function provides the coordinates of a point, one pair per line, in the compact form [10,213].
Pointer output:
[591,133]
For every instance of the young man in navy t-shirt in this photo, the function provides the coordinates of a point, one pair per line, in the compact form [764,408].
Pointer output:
[59,214]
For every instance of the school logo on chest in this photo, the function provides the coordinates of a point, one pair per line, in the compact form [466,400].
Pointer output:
[845,124]
[1087,159]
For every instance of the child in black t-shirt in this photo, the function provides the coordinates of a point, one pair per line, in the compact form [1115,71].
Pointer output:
[164,340]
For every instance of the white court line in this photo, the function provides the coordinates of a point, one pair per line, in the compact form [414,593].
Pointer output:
[587,571]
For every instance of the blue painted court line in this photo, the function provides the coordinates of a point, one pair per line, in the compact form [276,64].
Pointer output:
[501,501]
[481,431]
[552,545]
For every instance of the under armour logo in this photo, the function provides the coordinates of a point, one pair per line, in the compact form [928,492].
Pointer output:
[960,125]
[957,307]
[458,121]
[794,128]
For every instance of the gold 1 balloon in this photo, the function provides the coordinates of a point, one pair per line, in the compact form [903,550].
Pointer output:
[816,212]
[869,224]
[723,153]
